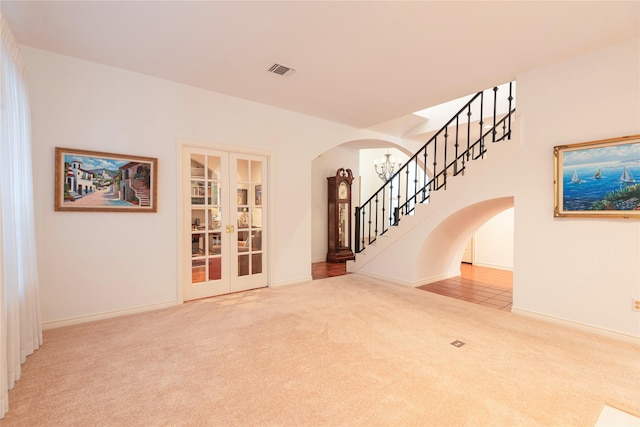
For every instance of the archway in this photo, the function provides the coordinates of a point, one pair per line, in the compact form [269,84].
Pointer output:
[441,252]
[345,155]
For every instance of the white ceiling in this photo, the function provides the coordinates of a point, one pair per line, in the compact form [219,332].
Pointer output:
[357,62]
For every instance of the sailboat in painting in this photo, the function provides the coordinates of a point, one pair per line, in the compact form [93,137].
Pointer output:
[575,179]
[626,177]
[598,174]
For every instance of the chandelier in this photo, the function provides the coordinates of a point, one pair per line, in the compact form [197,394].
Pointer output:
[386,168]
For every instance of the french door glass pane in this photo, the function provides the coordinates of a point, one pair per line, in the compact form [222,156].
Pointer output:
[197,244]
[242,171]
[243,265]
[215,270]
[197,166]
[256,217]
[243,218]
[256,172]
[198,272]
[197,193]
[215,244]
[213,167]
[214,218]
[197,219]
[256,263]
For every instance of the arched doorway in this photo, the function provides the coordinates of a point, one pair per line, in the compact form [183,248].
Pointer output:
[487,281]
[346,155]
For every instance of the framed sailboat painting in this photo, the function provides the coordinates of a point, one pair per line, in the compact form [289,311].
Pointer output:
[598,178]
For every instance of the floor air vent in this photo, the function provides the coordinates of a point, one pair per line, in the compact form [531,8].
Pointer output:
[281,69]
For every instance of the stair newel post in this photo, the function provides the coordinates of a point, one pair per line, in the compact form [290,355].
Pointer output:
[468,132]
[391,212]
[375,229]
[406,190]
[457,144]
[495,104]
[415,181]
[424,188]
[435,160]
[446,143]
[357,230]
[510,110]
[383,218]
[369,224]
[480,123]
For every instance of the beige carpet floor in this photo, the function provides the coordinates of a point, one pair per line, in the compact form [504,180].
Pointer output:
[342,351]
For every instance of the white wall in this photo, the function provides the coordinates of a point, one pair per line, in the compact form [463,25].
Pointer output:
[583,270]
[84,269]
[493,242]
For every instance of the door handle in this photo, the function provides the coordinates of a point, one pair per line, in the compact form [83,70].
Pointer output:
[230,229]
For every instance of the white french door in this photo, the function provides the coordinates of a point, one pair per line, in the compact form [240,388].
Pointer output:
[224,222]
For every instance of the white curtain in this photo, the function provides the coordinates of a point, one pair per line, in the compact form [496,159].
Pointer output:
[20,324]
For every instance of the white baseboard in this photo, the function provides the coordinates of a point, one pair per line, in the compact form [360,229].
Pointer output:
[385,278]
[415,284]
[494,266]
[576,325]
[106,315]
[406,283]
[292,282]
[433,279]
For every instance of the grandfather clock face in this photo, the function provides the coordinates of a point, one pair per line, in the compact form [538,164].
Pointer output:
[343,191]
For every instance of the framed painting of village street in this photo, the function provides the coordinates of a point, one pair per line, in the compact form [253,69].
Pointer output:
[598,179]
[104,182]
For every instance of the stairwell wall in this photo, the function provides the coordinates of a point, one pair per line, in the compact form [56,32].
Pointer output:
[581,270]
[428,246]
[571,270]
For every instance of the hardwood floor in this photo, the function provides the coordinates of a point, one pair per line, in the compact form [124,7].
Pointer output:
[479,285]
[321,270]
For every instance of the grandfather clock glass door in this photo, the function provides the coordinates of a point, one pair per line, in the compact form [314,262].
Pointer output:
[224,208]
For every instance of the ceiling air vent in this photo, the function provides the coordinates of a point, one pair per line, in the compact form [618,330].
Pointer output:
[281,69]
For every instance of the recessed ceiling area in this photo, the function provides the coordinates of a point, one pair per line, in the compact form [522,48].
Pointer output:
[359,63]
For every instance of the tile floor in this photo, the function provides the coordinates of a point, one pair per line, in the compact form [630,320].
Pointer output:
[479,285]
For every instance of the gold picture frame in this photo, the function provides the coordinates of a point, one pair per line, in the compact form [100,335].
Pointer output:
[93,181]
[598,179]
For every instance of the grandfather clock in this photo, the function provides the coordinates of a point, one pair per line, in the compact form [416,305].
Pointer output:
[339,248]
